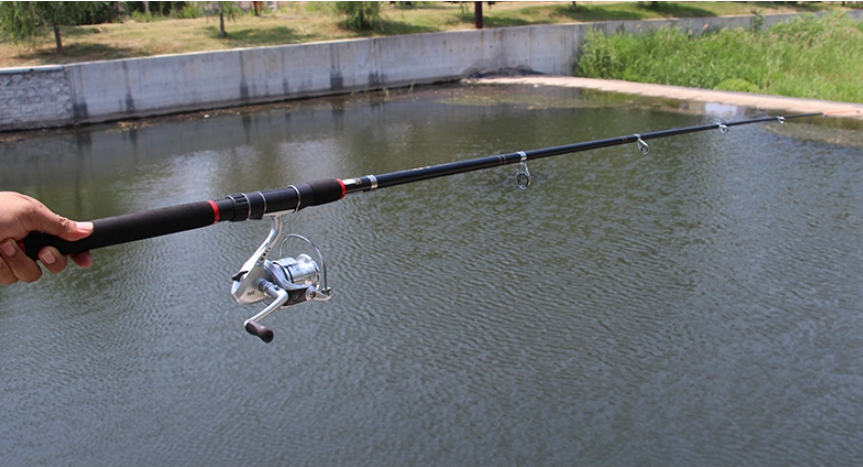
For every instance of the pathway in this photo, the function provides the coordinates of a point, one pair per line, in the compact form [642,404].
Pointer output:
[757,101]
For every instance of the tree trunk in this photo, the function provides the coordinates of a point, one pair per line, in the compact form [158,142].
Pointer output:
[477,14]
[222,32]
[57,38]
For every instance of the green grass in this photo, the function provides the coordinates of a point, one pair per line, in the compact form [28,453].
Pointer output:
[298,22]
[809,58]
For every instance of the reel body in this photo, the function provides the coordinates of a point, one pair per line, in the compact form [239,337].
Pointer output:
[281,283]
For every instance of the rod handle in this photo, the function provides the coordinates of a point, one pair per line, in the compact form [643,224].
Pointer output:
[129,228]
[163,221]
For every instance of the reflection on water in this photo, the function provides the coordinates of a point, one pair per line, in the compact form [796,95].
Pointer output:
[697,305]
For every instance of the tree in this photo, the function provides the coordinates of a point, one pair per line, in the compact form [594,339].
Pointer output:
[477,13]
[360,15]
[28,21]
[229,9]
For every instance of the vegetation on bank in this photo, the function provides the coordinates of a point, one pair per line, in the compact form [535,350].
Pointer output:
[809,58]
[185,27]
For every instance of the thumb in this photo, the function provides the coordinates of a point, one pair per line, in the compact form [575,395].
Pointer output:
[76,230]
[21,214]
[43,220]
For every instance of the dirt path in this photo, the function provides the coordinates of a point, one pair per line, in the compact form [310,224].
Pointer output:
[757,101]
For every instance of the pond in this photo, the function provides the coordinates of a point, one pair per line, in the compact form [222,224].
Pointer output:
[697,305]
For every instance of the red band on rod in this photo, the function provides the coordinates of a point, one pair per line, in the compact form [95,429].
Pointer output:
[215,211]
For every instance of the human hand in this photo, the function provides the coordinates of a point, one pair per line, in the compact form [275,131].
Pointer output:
[20,215]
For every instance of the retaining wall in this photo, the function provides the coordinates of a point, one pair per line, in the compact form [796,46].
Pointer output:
[42,97]
[121,89]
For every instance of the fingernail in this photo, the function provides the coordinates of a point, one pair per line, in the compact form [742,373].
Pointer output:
[8,249]
[85,226]
[48,257]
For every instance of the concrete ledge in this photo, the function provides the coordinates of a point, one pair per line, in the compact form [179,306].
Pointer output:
[35,69]
[741,99]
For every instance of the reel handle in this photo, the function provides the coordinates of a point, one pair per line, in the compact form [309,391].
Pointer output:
[280,296]
[256,329]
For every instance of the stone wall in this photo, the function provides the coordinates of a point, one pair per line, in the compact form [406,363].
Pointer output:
[34,97]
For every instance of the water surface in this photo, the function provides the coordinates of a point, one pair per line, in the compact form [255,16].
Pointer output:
[698,305]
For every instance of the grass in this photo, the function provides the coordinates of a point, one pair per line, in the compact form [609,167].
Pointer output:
[807,58]
[301,22]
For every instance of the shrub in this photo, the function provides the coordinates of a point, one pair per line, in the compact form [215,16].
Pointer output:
[359,15]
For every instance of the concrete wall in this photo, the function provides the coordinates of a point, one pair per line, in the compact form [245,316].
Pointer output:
[121,89]
[149,86]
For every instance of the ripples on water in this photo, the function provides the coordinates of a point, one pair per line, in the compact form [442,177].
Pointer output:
[697,305]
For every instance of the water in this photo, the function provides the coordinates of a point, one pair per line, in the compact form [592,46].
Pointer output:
[699,305]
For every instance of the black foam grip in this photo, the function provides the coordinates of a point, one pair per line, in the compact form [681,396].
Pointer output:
[325,191]
[157,222]
[128,228]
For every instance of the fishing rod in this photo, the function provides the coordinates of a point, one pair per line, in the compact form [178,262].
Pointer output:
[290,281]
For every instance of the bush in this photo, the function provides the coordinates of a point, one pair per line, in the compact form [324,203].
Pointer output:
[189,11]
[359,15]
[599,57]
[101,12]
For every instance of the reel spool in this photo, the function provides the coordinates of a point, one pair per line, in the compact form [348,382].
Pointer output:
[280,284]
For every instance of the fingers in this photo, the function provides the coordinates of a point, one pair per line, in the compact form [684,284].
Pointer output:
[55,262]
[22,215]
[52,259]
[17,265]
[6,276]
[83,259]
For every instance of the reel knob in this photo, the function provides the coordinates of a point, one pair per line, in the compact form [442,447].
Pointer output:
[256,329]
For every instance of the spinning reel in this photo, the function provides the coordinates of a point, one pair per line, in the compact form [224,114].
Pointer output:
[281,283]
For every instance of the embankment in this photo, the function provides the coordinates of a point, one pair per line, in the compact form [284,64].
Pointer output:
[54,96]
